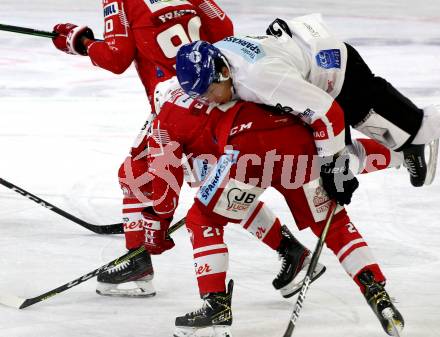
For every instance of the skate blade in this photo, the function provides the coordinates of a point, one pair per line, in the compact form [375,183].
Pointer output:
[125,294]
[141,289]
[432,162]
[293,287]
[394,327]
[216,331]
[184,332]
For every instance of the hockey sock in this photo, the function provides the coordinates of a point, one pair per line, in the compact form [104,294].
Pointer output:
[134,201]
[350,248]
[262,223]
[372,156]
[211,256]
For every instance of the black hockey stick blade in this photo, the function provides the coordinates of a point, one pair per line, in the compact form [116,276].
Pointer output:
[21,303]
[308,278]
[27,31]
[105,229]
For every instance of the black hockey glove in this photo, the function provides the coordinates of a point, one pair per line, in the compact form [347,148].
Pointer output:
[337,179]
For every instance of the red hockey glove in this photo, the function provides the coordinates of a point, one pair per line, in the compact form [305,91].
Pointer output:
[70,38]
[156,239]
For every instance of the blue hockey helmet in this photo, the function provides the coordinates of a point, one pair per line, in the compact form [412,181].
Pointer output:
[196,67]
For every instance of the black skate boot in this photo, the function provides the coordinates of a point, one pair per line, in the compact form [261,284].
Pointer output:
[415,163]
[136,272]
[295,261]
[379,300]
[215,313]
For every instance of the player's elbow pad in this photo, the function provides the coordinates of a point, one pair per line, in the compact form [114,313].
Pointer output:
[113,61]
[118,68]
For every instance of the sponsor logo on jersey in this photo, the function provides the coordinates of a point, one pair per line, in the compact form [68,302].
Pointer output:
[111,9]
[317,199]
[216,177]
[202,168]
[320,200]
[307,115]
[236,199]
[311,30]
[240,128]
[239,200]
[329,59]
[250,50]
[157,5]
[320,134]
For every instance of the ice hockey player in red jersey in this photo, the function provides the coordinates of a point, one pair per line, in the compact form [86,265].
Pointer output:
[303,69]
[148,33]
[240,142]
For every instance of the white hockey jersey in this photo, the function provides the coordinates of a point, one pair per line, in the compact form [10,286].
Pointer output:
[300,74]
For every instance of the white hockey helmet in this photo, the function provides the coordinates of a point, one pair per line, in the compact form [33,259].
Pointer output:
[164,91]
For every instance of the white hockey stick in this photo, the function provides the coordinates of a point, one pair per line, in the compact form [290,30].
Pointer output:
[308,279]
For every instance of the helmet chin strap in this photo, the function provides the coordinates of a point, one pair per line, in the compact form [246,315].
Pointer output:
[232,91]
[223,78]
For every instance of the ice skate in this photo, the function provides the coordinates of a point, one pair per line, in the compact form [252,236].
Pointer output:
[379,300]
[215,314]
[295,261]
[132,278]
[415,163]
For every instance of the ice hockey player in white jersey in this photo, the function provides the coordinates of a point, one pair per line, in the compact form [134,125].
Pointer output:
[302,69]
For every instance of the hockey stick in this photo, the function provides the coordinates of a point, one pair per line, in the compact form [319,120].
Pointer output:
[308,279]
[21,303]
[105,229]
[28,31]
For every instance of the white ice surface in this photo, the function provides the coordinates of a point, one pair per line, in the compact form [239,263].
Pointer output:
[65,126]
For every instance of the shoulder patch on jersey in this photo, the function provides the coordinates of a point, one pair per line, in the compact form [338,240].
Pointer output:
[329,58]
[251,51]
[111,9]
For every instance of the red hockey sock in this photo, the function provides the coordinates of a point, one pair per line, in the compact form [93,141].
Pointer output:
[350,248]
[263,225]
